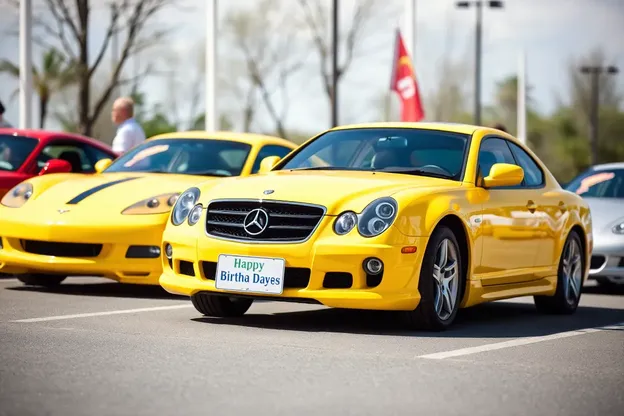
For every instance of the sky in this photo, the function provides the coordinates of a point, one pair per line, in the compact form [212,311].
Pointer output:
[551,32]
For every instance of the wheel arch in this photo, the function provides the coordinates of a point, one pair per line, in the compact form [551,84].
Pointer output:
[458,227]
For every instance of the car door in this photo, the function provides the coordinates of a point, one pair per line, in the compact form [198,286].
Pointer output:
[509,222]
[549,207]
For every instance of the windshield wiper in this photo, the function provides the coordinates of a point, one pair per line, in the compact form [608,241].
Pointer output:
[412,171]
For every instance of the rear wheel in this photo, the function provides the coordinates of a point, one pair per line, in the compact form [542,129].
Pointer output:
[569,280]
[440,283]
[46,280]
[220,306]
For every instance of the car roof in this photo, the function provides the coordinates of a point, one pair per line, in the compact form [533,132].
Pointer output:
[450,127]
[44,134]
[249,138]
[615,165]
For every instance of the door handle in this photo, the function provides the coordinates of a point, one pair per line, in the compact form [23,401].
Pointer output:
[531,206]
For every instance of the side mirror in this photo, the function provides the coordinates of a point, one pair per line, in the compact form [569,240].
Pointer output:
[102,164]
[503,174]
[55,166]
[268,163]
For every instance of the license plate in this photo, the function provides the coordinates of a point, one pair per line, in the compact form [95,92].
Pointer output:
[250,274]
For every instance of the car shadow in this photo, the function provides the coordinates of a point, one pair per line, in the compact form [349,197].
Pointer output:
[616,290]
[104,289]
[492,320]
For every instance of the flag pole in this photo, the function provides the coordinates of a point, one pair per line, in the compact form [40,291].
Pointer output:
[25,57]
[522,88]
[410,28]
[211,65]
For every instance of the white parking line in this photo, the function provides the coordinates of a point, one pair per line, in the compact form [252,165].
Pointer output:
[87,315]
[516,342]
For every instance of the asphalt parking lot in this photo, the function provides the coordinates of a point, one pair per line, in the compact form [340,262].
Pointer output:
[101,348]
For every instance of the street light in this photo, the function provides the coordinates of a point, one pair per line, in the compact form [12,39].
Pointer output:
[594,71]
[334,79]
[493,4]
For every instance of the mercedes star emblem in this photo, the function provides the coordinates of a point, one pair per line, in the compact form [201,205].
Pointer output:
[256,221]
[268,191]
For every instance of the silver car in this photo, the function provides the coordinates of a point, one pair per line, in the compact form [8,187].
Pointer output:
[603,188]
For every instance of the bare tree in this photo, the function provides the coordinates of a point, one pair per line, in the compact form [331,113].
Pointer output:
[363,24]
[265,38]
[67,24]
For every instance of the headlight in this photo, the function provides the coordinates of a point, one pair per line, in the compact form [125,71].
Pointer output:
[195,214]
[184,205]
[345,222]
[618,229]
[17,196]
[155,205]
[377,217]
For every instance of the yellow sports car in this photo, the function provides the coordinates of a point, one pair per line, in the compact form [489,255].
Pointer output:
[386,216]
[110,223]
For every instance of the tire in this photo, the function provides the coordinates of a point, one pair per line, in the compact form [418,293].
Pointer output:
[220,306]
[45,280]
[426,316]
[569,276]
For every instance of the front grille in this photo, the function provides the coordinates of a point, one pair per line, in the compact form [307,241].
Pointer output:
[596,262]
[285,221]
[50,248]
[294,277]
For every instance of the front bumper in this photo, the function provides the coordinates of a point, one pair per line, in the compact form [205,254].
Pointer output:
[607,263]
[326,270]
[83,249]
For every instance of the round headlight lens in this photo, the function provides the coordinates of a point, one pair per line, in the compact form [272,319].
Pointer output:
[345,223]
[184,205]
[195,214]
[377,217]
[619,229]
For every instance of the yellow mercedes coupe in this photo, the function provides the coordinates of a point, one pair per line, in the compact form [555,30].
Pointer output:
[422,218]
[110,223]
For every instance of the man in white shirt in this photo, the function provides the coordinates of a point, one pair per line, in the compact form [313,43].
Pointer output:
[129,132]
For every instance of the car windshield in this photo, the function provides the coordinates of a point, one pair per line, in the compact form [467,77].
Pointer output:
[603,183]
[185,156]
[14,150]
[399,150]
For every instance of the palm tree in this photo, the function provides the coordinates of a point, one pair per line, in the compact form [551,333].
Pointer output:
[56,73]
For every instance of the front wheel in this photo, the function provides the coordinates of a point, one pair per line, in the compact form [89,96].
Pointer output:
[569,280]
[440,283]
[45,280]
[220,306]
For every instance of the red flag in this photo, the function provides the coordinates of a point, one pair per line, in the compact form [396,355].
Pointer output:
[404,83]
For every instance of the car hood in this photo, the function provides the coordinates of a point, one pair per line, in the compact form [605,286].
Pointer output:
[114,191]
[605,213]
[335,190]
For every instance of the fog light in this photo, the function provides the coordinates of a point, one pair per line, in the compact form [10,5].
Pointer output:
[373,265]
[143,252]
[168,250]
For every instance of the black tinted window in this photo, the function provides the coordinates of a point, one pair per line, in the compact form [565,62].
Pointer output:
[493,151]
[185,156]
[608,183]
[394,150]
[533,175]
[69,152]
[269,150]
[14,150]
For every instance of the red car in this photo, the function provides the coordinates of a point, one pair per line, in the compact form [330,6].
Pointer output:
[26,153]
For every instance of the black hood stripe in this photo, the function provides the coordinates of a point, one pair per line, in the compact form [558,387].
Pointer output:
[98,188]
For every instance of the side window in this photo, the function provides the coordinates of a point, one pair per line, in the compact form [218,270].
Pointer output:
[269,150]
[533,175]
[95,155]
[72,153]
[493,151]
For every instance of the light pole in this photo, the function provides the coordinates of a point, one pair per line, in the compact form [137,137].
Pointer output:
[594,72]
[334,98]
[493,4]
[211,66]
[25,59]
